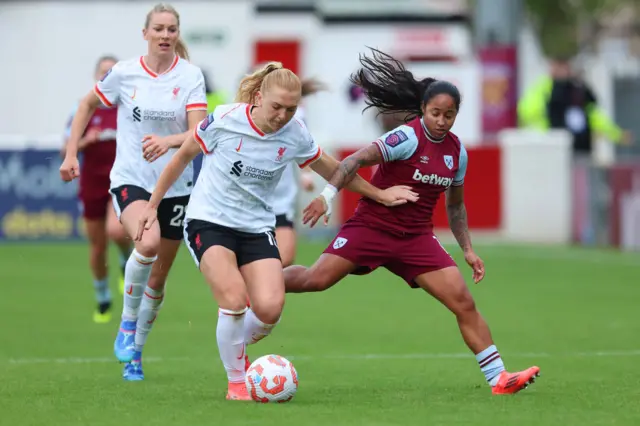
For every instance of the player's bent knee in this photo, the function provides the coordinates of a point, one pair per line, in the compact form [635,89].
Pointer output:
[316,281]
[148,246]
[462,303]
[268,311]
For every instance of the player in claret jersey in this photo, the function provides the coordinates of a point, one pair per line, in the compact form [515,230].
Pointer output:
[98,146]
[160,97]
[424,154]
[230,220]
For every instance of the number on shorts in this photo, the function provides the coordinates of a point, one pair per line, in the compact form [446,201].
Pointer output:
[178,218]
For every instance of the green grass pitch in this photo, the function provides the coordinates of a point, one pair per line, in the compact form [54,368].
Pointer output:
[369,352]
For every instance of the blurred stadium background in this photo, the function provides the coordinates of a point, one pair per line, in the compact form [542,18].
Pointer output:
[560,289]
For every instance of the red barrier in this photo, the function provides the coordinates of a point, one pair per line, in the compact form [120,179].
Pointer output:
[483,192]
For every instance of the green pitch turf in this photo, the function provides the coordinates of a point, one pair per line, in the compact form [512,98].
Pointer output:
[368,352]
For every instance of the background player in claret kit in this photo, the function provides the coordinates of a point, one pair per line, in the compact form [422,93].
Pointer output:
[426,155]
[286,193]
[160,97]
[98,147]
[229,222]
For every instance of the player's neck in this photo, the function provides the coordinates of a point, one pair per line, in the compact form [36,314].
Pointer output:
[159,64]
[254,117]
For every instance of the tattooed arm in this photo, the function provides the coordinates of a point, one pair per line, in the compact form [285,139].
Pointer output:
[457,214]
[345,174]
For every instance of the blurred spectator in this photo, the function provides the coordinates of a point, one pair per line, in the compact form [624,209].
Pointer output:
[562,100]
[214,97]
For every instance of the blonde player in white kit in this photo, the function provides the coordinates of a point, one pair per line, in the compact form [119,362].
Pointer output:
[230,222]
[160,97]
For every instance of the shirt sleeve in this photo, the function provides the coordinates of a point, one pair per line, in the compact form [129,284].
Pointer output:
[308,153]
[206,133]
[108,87]
[67,129]
[398,144]
[462,167]
[197,99]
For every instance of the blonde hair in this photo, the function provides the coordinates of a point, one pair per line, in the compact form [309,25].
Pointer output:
[271,75]
[181,47]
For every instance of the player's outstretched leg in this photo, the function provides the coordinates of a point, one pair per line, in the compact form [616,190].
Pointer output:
[448,286]
[322,275]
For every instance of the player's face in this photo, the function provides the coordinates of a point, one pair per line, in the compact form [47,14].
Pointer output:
[103,68]
[162,33]
[277,106]
[439,115]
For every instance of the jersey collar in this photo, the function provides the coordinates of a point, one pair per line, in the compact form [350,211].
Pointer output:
[428,135]
[155,75]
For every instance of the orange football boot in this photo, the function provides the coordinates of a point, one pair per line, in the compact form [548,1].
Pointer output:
[238,392]
[509,383]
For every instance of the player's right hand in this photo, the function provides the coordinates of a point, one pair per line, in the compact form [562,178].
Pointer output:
[147,219]
[315,210]
[397,195]
[70,169]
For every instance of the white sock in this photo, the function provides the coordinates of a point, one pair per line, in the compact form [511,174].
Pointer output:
[151,302]
[136,276]
[491,364]
[254,329]
[231,343]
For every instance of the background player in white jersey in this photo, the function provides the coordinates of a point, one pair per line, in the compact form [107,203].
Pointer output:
[285,196]
[230,222]
[160,97]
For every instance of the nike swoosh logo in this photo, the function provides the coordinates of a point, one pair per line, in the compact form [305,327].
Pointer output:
[239,146]
[130,290]
[242,354]
[134,93]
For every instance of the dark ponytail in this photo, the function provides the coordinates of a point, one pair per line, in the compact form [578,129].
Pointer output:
[391,88]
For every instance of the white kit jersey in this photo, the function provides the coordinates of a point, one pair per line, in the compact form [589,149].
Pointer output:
[286,193]
[150,104]
[242,166]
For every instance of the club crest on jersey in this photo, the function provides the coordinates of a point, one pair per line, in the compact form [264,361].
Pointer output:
[396,138]
[339,242]
[106,74]
[175,92]
[448,161]
[281,151]
[206,122]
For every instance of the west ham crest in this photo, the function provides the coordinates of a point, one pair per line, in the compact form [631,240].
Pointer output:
[448,161]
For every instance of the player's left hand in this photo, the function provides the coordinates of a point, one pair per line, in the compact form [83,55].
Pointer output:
[397,195]
[315,210]
[476,264]
[153,147]
[306,181]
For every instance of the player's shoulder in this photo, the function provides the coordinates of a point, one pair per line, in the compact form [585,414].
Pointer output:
[404,133]
[297,130]
[189,70]
[127,65]
[230,112]
[455,140]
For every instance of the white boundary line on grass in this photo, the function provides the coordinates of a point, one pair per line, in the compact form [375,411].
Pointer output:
[354,357]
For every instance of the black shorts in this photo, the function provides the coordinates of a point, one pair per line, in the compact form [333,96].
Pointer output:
[248,247]
[282,221]
[170,211]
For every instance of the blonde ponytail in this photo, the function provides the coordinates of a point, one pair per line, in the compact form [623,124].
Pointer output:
[272,74]
[251,84]
[181,49]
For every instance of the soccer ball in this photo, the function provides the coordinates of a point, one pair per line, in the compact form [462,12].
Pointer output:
[272,378]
